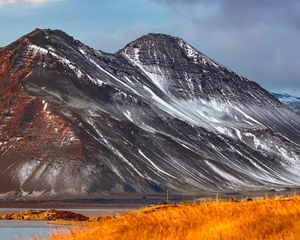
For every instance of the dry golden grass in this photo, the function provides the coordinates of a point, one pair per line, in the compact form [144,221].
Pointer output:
[275,219]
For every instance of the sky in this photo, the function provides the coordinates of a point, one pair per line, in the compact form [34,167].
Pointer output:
[258,39]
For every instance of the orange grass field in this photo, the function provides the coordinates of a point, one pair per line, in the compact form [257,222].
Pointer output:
[277,218]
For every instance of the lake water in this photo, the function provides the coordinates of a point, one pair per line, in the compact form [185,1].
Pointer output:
[27,230]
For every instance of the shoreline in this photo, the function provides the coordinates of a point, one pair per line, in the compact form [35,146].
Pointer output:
[132,200]
[108,206]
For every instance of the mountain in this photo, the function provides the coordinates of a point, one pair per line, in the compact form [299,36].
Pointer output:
[156,115]
[291,101]
[284,97]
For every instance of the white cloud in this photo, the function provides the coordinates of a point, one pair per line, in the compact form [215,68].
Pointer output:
[25,2]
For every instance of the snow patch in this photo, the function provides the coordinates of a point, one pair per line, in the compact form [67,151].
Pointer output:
[26,170]
[193,54]
[37,49]
[154,73]
[128,115]
[154,165]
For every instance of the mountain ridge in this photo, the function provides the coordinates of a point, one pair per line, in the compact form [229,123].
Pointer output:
[149,118]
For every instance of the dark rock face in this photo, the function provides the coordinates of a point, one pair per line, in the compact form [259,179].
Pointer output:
[156,115]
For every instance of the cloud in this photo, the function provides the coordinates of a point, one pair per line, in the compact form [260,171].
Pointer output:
[25,2]
[257,38]
[242,12]
[112,42]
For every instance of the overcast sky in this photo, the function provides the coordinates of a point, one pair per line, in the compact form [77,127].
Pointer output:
[259,39]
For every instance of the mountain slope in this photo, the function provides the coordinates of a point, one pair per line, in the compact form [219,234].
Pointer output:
[156,115]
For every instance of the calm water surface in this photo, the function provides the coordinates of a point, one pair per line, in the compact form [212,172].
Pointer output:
[27,230]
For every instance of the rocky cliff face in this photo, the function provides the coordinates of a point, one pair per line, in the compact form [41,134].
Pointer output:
[156,115]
